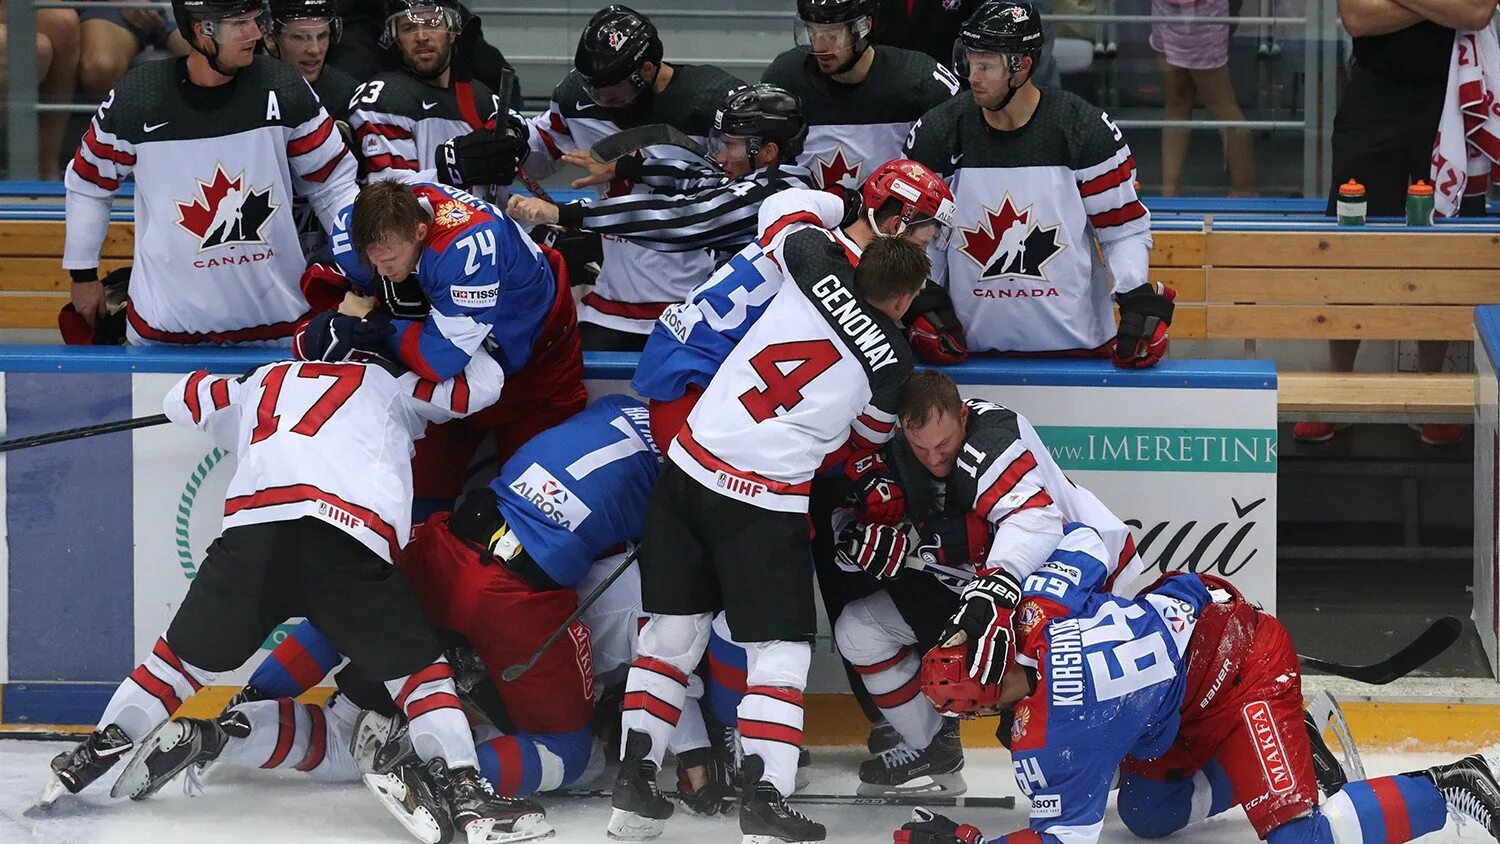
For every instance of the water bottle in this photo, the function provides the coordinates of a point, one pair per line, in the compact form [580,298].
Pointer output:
[1351,204]
[1419,204]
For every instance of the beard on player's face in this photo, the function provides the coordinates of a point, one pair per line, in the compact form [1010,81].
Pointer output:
[427,52]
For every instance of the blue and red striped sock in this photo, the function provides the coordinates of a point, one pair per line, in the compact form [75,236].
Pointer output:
[1387,810]
[300,662]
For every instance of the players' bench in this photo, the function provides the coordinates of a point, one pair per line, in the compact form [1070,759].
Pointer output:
[1262,282]
[33,284]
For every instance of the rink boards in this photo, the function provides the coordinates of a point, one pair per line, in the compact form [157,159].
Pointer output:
[103,536]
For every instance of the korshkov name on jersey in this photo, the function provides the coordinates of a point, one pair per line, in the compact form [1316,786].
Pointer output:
[551,496]
[1066,662]
[863,333]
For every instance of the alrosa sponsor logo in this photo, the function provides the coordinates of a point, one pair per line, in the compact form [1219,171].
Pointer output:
[551,497]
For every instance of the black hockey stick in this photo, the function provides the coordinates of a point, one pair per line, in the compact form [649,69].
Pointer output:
[507,81]
[623,143]
[85,431]
[511,674]
[1424,649]
[938,799]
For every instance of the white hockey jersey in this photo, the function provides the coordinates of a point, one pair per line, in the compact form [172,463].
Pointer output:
[635,283]
[1034,208]
[331,441]
[217,253]
[853,129]
[819,369]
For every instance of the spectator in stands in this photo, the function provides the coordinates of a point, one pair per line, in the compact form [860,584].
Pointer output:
[113,37]
[1383,132]
[57,75]
[1194,62]
[931,27]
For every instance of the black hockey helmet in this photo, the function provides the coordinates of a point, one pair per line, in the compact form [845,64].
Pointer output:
[615,45]
[857,17]
[835,11]
[763,114]
[284,12]
[1006,27]
[422,13]
[211,13]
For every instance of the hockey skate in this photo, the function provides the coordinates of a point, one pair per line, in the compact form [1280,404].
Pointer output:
[407,793]
[765,818]
[640,811]
[77,769]
[904,770]
[171,748]
[380,743]
[482,816]
[882,737]
[1470,789]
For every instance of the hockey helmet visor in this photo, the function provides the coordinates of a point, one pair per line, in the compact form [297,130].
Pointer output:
[224,21]
[421,17]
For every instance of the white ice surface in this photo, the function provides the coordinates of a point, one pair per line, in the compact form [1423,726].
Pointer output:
[269,807]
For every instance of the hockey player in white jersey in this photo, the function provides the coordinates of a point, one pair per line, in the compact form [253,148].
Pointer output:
[220,143]
[319,504]
[1049,234]
[860,99]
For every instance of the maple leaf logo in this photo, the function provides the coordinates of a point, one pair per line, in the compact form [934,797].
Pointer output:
[1008,242]
[838,170]
[226,212]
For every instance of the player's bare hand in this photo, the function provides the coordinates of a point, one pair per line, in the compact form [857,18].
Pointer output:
[88,300]
[147,19]
[356,305]
[529,209]
[599,174]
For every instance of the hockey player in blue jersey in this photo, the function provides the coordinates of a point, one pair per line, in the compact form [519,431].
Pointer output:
[497,576]
[1190,692]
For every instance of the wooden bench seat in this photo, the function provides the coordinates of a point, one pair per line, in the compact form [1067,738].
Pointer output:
[33,284]
[1366,396]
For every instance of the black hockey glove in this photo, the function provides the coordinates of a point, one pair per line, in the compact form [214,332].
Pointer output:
[484,156]
[878,549]
[983,625]
[331,336]
[933,329]
[1145,314]
[404,299]
[926,827]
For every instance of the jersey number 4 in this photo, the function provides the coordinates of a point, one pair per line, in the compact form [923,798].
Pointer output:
[786,369]
[346,379]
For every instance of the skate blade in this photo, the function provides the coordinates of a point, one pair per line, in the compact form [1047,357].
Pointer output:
[525,828]
[51,793]
[401,803]
[931,785]
[775,839]
[628,826]
[135,781]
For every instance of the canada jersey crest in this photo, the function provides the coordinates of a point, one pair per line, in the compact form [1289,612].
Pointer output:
[226,212]
[840,169]
[1008,242]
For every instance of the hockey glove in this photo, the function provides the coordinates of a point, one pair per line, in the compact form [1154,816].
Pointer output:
[1145,314]
[933,328]
[323,286]
[878,549]
[983,624]
[955,539]
[880,500]
[489,156]
[335,337]
[405,298]
[926,827]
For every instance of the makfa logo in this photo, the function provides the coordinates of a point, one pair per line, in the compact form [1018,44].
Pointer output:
[1268,747]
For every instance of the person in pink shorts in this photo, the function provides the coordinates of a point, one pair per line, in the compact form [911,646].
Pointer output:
[1194,61]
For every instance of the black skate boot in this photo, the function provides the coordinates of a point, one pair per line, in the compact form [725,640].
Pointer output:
[882,737]
[640,811]
[380,743]
[76,769]
[248,694]
[479,814]
[172,747]
[765,818]
[1327,769]
[903,770]
[1470,788]
[716,795]
[407,792]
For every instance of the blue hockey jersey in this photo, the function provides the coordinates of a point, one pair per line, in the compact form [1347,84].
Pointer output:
[575,490]
[490,288]
[1110,682]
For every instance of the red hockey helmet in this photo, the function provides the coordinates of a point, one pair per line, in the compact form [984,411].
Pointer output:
[923,195]
[946,682]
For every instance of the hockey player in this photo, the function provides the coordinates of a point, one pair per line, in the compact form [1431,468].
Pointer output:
[758,131]
[819,369]
[860,99]
[318,508]
[462,279]
[1189,676]
[618,80]
[1023,267]
[982,492]
[222,136]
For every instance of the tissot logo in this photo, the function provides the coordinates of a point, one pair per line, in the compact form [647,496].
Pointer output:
[1009,243]
[226,212]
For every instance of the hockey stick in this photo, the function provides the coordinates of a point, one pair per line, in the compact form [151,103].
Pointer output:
[623,143]
[1434,641]
[85,431]
[507,81]
[850,799]
[513,673]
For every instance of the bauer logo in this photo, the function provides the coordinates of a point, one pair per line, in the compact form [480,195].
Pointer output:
[1046,806]
[475,297]
[551,496]
[1268,746]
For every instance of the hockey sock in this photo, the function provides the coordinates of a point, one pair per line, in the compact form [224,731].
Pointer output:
[287,734]
[691,733]
[153,692]
[1389,810]
[434,717]
[657,687]
[1154,809]
[526,763]
[895,685]
[300,662]
[770,716]
[726,676]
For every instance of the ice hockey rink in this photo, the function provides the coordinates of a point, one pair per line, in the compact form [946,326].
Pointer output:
[270,807]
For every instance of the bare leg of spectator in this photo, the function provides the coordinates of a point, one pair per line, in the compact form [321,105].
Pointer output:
[1217,90]
[107,51]
[1177,104]
[59,79]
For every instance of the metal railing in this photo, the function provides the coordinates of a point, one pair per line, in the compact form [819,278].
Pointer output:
[1320,33]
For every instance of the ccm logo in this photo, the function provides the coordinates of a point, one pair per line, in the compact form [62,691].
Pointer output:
[1268,747]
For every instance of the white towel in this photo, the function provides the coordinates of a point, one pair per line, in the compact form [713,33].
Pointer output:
[1466,151]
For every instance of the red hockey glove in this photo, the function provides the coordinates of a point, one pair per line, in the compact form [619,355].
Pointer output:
[983,625]
[880,500]
[955,539]
[878,549]
[926,827]
[933,329]
[323,286]
[1145,314]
